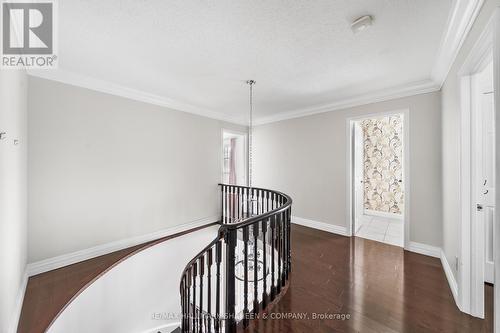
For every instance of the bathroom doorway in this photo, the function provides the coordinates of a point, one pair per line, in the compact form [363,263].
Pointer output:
[378,184]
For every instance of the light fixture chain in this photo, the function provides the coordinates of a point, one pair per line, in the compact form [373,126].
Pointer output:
[250,135]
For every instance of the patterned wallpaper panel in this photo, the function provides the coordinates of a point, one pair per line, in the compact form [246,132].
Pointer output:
[383,153]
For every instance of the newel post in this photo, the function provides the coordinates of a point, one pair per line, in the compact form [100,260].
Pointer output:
[231,239]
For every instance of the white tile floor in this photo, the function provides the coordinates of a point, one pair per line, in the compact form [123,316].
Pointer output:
[382,229]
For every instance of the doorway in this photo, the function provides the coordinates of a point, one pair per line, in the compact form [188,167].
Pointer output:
[484,169]
[234,157]
[482,184]
[476,207]
[378,182]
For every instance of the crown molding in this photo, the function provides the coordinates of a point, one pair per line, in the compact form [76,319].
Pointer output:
[460,21]
[107,87]
[74,79]
[411,89]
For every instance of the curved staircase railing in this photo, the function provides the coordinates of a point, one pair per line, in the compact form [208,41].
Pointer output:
[245,268]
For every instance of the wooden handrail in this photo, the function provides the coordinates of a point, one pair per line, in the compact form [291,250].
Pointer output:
[263,218]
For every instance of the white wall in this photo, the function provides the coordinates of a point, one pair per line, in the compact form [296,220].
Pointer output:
[13,235]
[306,158]
[451,140]
[104,168]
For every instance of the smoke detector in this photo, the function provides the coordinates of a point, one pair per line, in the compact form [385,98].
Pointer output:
[361,23]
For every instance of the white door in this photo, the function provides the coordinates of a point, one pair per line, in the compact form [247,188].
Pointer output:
[488,185]
[358,176]
[486,167]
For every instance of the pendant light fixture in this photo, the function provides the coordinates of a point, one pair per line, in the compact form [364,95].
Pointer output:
[251,200]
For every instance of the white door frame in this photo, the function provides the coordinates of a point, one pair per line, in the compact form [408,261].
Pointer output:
[471,243]
[357,171]
[496,76]
[406,169]
[245,144]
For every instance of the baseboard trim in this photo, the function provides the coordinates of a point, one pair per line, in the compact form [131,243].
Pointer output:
[451,278]
[336,229]
[96,251]
[383,214]
[19,303]
[421,248]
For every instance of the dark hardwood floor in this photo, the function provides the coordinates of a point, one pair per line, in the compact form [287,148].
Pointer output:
[381,287]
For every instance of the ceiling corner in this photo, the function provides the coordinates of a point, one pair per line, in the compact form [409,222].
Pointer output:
[460,20]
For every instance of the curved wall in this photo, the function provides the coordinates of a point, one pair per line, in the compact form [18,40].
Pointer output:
[140,294]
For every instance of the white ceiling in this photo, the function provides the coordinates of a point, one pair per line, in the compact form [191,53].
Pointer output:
[196,55]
